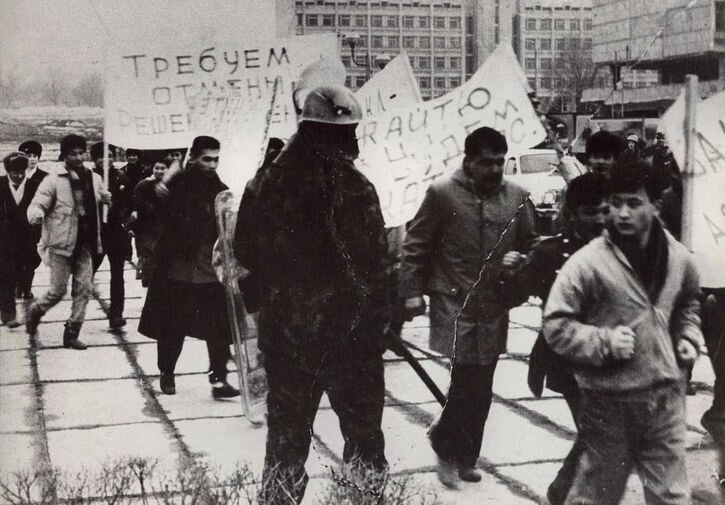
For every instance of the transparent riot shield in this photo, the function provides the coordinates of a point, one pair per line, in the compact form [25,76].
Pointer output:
[252,379]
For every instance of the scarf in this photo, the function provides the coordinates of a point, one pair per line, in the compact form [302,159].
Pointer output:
[84,198]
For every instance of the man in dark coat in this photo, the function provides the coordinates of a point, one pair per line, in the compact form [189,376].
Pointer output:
[15,232]
[585,212]
[314,238]
[34,175]
[114,235]
[468,232]
[185,298]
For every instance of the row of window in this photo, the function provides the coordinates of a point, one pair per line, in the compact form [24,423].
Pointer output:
[409,42]
[559,24]
[546,64]
[378,21]
[561,44]
[423,81]
[421,62]
[559,83]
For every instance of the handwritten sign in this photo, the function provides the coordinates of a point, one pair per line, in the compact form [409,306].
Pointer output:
[404,150]
[149,92]
[708,180]
[393,87]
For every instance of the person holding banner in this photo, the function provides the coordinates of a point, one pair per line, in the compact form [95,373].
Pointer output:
[68,204]
[625,309]
[312,233]
[184,296]
[468,234]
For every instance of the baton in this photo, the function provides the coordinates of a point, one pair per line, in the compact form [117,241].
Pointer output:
[403,351]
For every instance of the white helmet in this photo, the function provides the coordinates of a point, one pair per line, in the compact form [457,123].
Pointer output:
[331,105]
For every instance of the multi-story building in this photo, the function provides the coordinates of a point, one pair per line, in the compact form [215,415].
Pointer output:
[671,38]
[553,40]
[446,41]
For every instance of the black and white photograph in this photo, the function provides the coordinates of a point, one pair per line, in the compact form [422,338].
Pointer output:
[362,252]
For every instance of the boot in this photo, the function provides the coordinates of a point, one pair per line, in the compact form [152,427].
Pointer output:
[32,319]
[447,473]
[469,474]
[70,338]
[116,322]
[220,388]
[167,383]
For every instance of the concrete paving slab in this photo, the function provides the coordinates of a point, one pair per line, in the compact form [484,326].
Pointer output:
[489,491]
[231,441]
[194,358]
[13,339]
[510,380]
[703,372]
[17,408]
[76,450]
[526,315]
[520,341]
[193,399]
[407,386]
[511,438]
[405,448]
[15,367]
[555,409]
[93,363]
[60,312]
[702,474]
[93,333]
[97,403]
[695,407]
[17,454]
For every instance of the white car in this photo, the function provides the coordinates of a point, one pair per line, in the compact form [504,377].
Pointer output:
[536,170]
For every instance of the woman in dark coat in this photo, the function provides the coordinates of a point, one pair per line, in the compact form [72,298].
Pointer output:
[185,298]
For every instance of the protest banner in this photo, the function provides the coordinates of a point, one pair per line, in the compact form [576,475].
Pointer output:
[393,87]
[242,125]
[148,93]
[404,150]
[707,211]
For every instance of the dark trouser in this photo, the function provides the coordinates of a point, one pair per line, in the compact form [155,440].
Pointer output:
[7,297]
[357,393]
[559,489]
[457,434]
[648,435]
[25,277]
[118,289]
[169,350]
[713,329]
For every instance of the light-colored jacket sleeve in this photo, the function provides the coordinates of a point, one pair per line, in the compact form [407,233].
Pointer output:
[685,317]
[563,328]
[42,201]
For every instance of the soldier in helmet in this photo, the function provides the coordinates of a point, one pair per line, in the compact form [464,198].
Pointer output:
[314,240]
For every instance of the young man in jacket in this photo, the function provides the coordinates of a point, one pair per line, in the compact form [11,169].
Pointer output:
[114,235]
[148,218]
[469,231]
[585,211]
[67,204]
[314,238]
[625,309]
[34,175]
[15,233]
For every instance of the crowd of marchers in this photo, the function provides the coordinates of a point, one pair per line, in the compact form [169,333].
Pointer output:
[624,317]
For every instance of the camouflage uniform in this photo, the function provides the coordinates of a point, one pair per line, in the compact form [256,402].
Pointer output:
[311,232]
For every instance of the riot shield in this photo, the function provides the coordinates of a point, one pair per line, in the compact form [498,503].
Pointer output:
[252,379]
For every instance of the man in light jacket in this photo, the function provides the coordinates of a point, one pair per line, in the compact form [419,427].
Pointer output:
[67,204]
[625,309]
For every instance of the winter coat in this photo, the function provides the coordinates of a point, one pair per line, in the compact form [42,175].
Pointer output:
[597,290]
[53,204]
[447,244]
[114,235]
[17,237]
[314,238]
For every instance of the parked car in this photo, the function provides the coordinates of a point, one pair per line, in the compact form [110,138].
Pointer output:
[536,170]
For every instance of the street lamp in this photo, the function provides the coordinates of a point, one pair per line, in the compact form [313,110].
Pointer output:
[352,39]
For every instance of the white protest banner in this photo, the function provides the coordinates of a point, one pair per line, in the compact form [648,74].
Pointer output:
[708,180]
[403,151]
[148,92]
[393,87]
[241,124]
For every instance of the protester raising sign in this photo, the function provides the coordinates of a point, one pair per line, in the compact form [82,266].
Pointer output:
[393,87]
[404,150]
[708,180]
[148,93]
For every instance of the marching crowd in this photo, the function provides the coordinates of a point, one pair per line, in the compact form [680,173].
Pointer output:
[624,318]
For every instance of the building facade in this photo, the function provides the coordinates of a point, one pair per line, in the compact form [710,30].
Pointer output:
[670,38]
[553,41]
[446,41]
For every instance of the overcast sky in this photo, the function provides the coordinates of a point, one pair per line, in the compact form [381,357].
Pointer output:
[37,35]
